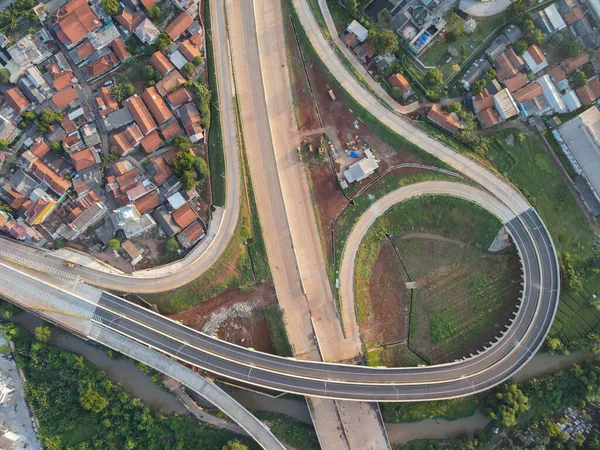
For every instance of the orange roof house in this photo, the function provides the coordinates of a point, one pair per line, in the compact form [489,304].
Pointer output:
[140,114]
[398,80]
[64,97]
[125,141]
[147,202]
[189,50]
[57,183]
[161,170]
[171,81]
[515,83]
[178,26]
[179,97]
[573,16]
[85,159]
[102,65]
[16,100]
[128,19]
[62,80]
[448,122]
[557,74]
[37,212]
[151,142]
[171,130]
[110,105]
[585,94]
[489,117]
[574,62]
[75,20]
[85,50]
[40,148]
[156,105]
[118,48]
[184,215]
[161,63]
[148,3]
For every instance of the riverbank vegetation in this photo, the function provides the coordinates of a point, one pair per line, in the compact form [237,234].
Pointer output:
[79,408]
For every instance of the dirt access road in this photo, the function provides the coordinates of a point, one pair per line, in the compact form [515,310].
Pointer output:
[285,210]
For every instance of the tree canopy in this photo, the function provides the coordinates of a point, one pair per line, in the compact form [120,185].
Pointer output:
[434,78]
[383,41]
[183,162]
[110,6]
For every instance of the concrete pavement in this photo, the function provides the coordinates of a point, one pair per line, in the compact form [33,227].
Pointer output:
[484,9]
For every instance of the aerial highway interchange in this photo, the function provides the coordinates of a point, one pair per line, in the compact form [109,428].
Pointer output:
[492,365]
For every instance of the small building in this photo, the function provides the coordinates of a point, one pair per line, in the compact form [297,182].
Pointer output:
[85,220]
[147,32]
[361,169]
[192,234]
[398,80]
[128,219]
[358,30]
[447,121]
[535,59]
[166,222]
[178,25]
[132,252]
[555,100]
[505,105]
[572,101]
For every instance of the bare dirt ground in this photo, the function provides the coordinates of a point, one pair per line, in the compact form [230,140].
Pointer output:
[248,327]
[390,302]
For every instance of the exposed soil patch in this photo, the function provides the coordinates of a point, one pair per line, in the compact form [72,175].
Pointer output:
[235,316]
[390,302]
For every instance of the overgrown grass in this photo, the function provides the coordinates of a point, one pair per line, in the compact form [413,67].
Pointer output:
[216,152]
[295,434]
[443,409]
[277,331]
[396,355]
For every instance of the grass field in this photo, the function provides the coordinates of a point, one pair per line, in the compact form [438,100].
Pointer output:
[216,153]
[277,331]
[396,355]
[465,44]
[528,166]
[464,297]
[414,411]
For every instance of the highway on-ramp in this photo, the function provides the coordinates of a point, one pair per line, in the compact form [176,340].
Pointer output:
[339,381]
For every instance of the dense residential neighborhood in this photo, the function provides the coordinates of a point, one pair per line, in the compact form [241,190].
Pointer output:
[101,128]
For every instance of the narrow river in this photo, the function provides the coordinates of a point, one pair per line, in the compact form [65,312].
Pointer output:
[140,385]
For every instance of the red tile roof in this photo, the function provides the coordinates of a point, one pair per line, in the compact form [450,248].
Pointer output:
[140,114]
[516,60]
[16,199]
[64,97]
[102,65]
[109,101]
[194,232]
[161,169]
[129,20]
[573,16]
[68,125]
[489,117]
[148,3]
[557,74]
[76,19]
[184,215]
[504,68]
[484,103]
[40,148]
[574,62]
[126,140]
[147,203]
[397,80]
[585,94]
[161,63]
[170,82]
[536,54]
[530,91]
[16,100]
[516,82]
[594,84]
[62,80]
[189,50]
[83,159]
[171,130]
[178,26]
[197,39]
[85,50]
[156,105]
[119,49]
[151,142]
[57,183]
[442,118]
[179,97]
